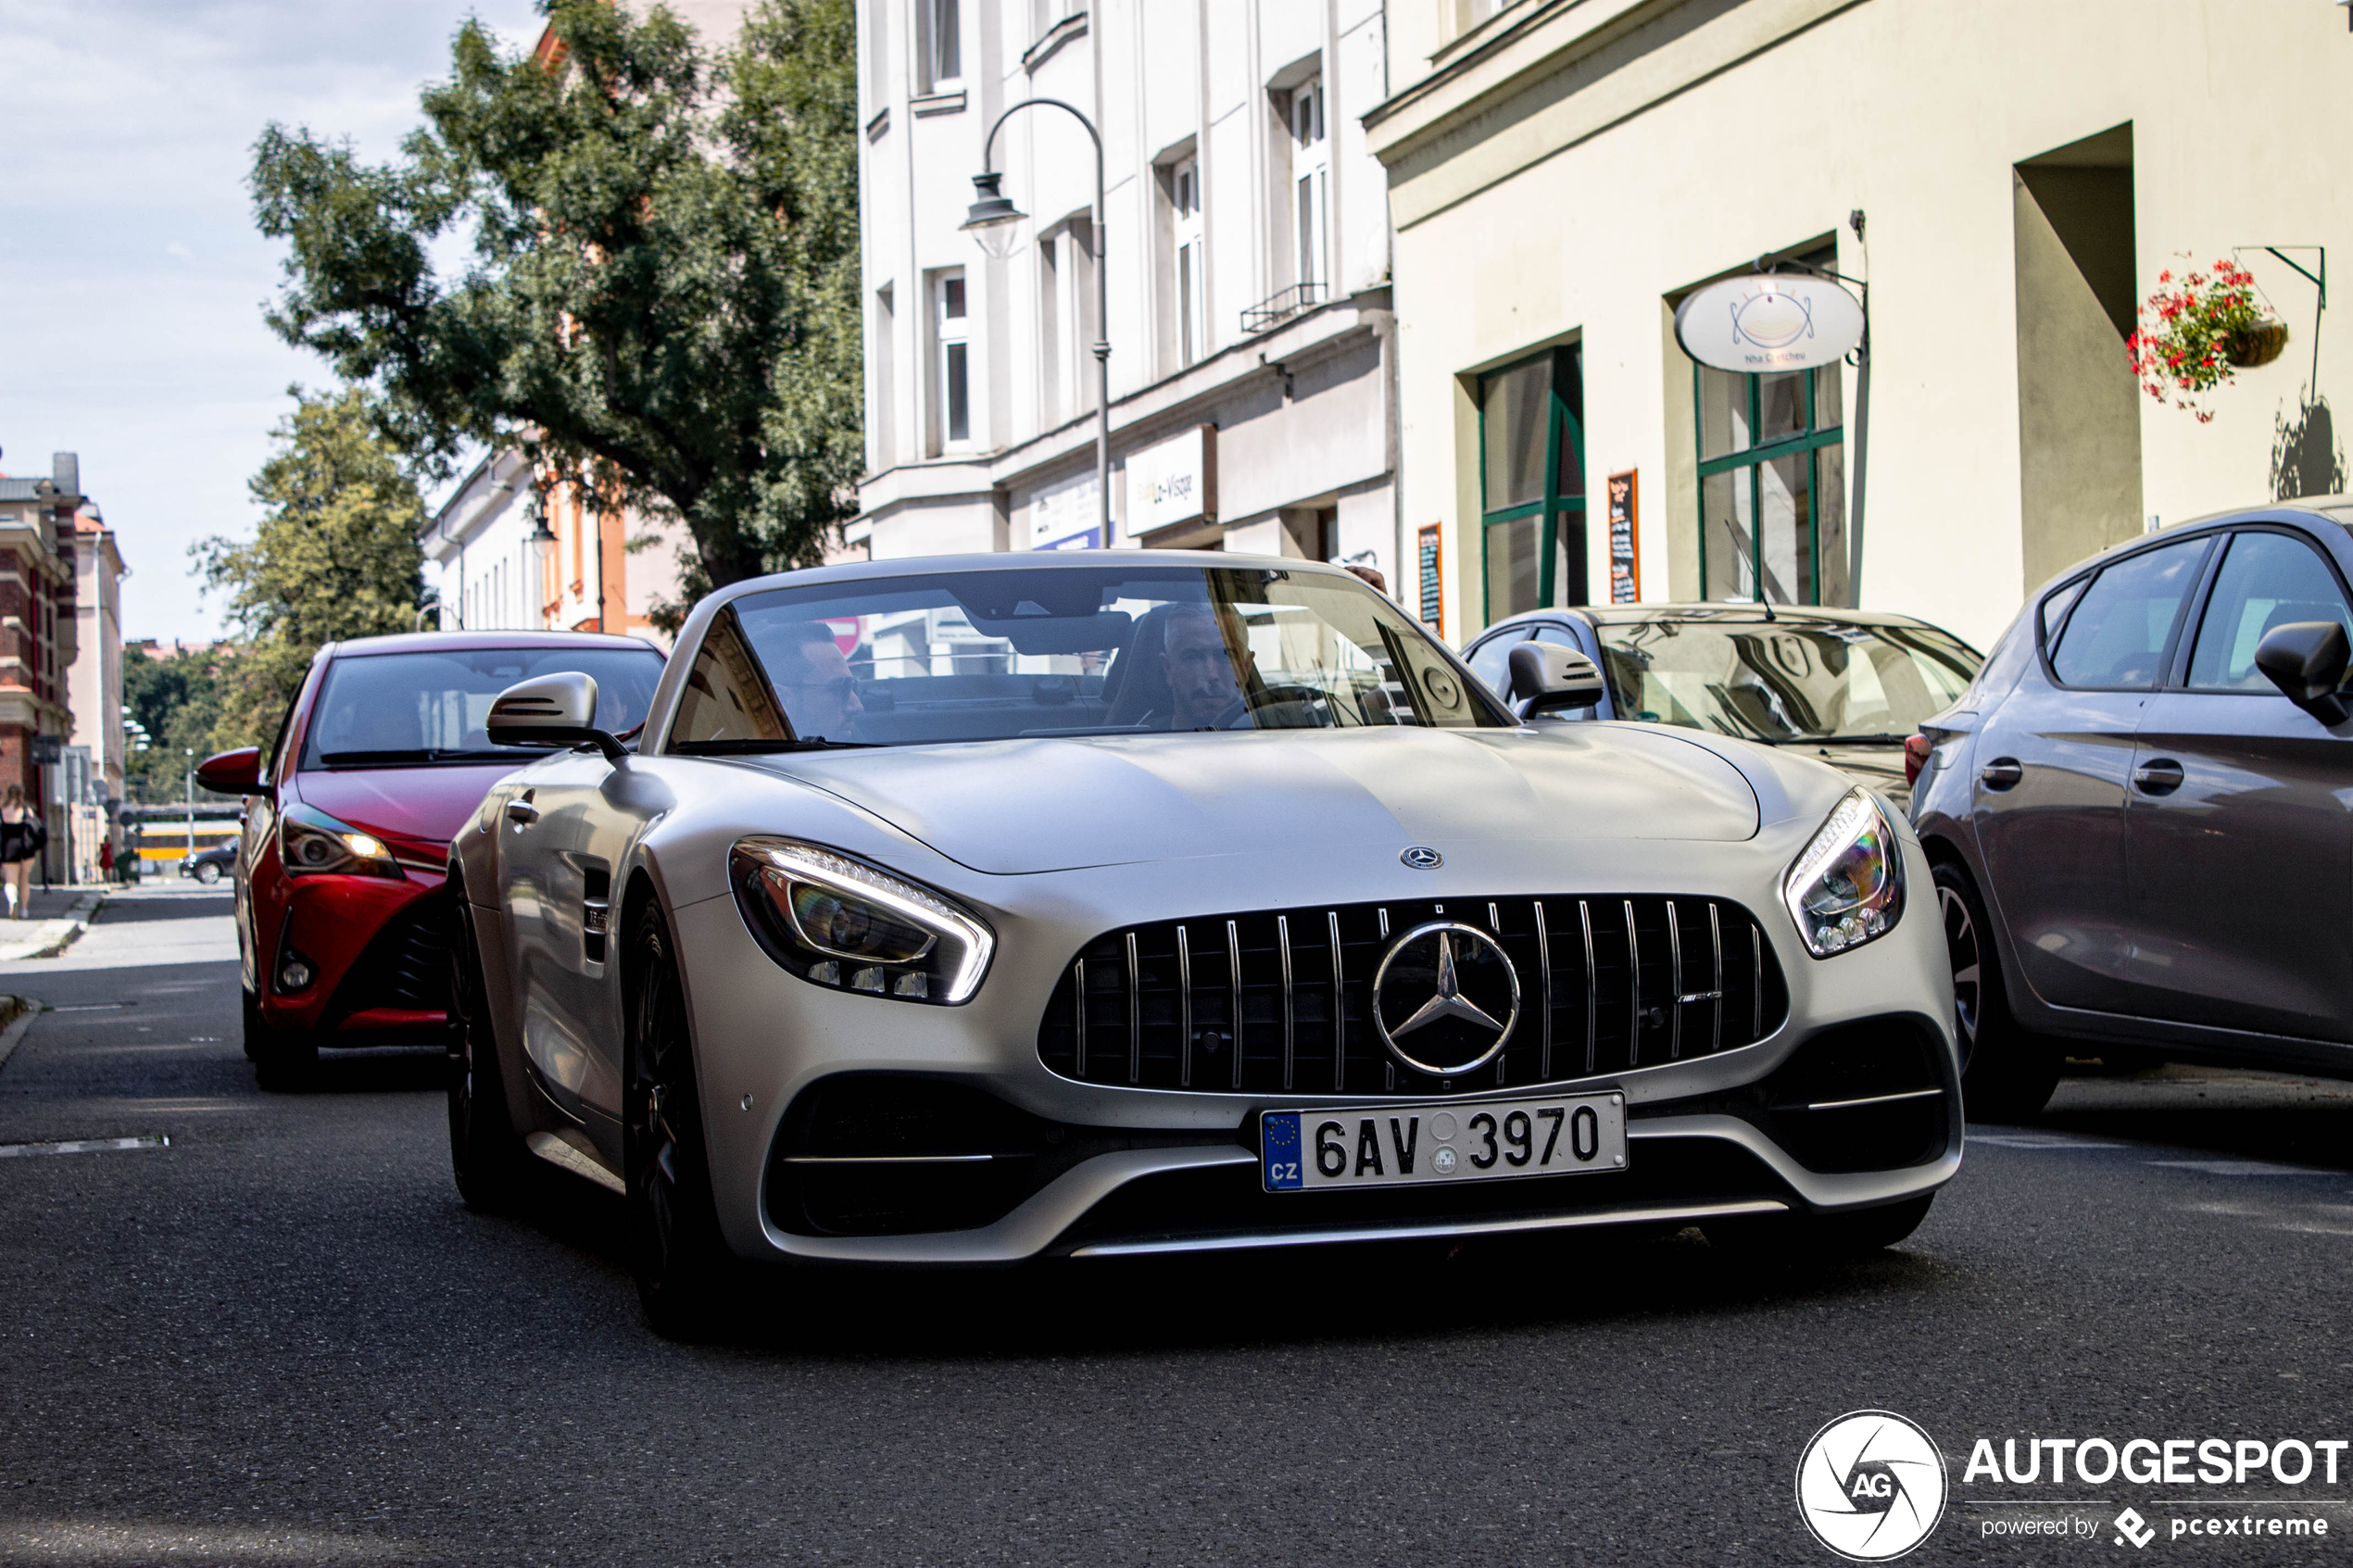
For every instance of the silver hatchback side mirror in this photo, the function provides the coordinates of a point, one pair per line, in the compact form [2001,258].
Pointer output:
[1547,678]
[558,709]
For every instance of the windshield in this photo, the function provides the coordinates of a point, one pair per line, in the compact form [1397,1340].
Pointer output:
[1785,681]
[407,708]
[1078,650]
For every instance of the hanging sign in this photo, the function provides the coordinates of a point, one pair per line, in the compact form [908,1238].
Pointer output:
[1173,482]
[1625,543]
[1433,588]
[1769,321]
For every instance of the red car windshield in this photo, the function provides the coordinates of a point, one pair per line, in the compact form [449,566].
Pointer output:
[393,709]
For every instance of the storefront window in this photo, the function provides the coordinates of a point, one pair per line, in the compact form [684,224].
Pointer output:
[1772,485]
[1532,484]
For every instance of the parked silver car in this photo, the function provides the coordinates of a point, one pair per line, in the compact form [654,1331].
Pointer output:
[972,909]
[1848,686]
[2138,813]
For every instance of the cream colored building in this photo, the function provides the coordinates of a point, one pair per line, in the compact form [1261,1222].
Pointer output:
[1562,173]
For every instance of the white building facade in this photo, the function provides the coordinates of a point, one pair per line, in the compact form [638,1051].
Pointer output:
[1244,250]
[602,572]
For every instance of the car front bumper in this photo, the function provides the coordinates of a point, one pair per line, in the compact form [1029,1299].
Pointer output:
[1150,1170]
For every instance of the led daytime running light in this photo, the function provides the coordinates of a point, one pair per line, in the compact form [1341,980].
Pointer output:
[1846,887]
[960,944]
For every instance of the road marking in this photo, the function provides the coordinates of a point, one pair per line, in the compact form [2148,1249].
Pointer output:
[83,1146]
[2241,1167]
[86,1006]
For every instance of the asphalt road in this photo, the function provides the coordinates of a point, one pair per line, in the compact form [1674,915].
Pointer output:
[281,1340]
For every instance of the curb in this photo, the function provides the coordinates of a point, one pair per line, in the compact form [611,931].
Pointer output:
[79,912]
[20,1012]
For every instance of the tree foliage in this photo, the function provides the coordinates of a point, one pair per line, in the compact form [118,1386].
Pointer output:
[335,555]
[660,303]
[177,702]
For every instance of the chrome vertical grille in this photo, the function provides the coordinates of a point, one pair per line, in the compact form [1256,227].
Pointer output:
[1279,1001]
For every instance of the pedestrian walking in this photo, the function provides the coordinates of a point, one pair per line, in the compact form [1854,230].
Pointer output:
[21,838]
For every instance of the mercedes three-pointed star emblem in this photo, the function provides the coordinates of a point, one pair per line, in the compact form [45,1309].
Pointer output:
[1457,1033]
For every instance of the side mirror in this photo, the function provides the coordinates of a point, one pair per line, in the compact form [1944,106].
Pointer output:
[1547,677]
[233,773]
[550,711]
[2306,659]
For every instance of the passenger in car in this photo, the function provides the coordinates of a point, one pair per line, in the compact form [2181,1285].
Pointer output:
[813,681]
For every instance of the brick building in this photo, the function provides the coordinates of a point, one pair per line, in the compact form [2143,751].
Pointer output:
[38,632]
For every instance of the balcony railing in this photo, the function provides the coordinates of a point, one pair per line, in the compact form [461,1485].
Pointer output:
[1274,310]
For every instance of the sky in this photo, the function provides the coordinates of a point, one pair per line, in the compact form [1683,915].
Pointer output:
[132,280]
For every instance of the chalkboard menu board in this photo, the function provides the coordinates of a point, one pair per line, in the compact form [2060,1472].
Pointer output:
[1625,544]
[1433,588]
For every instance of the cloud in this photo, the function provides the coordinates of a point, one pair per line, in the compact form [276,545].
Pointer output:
[131,282]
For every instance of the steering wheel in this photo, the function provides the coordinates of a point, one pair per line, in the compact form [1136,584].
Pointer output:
[1315,706]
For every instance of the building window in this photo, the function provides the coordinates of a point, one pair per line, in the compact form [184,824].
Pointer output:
[952,412]
[1311,166]
[1772,485]
[1184,203]
[1049,332]
[1531,440]
[1460,16]
[936,44]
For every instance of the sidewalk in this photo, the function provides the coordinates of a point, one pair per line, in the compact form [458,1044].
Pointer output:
[55,917]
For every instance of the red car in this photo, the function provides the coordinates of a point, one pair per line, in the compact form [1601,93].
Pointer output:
[343,932]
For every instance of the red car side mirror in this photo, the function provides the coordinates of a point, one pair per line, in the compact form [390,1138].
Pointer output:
[233,773]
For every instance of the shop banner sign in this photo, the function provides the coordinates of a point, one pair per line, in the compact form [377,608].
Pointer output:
[1769,321]
[1433,586]
[1173,482]
[1625,541]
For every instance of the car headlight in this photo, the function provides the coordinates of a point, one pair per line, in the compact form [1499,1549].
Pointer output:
[841,922]
[310,842]
[1847,886]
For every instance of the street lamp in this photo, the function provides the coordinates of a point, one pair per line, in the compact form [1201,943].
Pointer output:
[994,224]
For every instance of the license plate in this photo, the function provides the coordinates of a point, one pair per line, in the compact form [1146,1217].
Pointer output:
[1415,1145]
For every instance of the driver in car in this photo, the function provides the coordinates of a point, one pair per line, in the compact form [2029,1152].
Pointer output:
[1201,684]
[815,682]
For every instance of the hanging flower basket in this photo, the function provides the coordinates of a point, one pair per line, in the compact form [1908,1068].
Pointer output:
[2257,344]
[2197,330]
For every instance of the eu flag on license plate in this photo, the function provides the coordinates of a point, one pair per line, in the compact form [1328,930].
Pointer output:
[1278,1148]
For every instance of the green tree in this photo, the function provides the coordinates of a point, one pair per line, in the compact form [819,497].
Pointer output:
[661,302]
[177,701]
[335,555]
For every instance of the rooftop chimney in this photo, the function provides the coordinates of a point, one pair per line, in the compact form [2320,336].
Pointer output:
[65,469]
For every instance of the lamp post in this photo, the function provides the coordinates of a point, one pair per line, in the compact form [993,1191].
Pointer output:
[994,221]
[543,550]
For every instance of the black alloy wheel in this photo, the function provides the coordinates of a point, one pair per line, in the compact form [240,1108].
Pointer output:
[2007,1073]
[284,1061]
[680,1262]
[487,1154]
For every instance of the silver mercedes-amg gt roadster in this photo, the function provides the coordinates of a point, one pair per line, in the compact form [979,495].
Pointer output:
[968,910]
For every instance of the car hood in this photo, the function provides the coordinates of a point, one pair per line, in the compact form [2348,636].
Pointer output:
[424,804]
[1039,804]
[1878,767]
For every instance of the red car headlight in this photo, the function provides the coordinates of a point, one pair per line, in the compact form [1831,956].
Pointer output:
[311,843]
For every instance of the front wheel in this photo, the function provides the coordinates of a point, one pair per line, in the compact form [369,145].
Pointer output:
[680,1262]
[208,873]
[2007,1073]
[487,1155]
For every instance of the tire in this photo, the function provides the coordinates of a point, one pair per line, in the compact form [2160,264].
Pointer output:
[487,1154]
[209,873]
[284,1061]
[680,1262]
[2008,1074]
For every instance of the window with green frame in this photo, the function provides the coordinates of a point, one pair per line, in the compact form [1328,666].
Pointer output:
[1531,446]
[1772,485]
